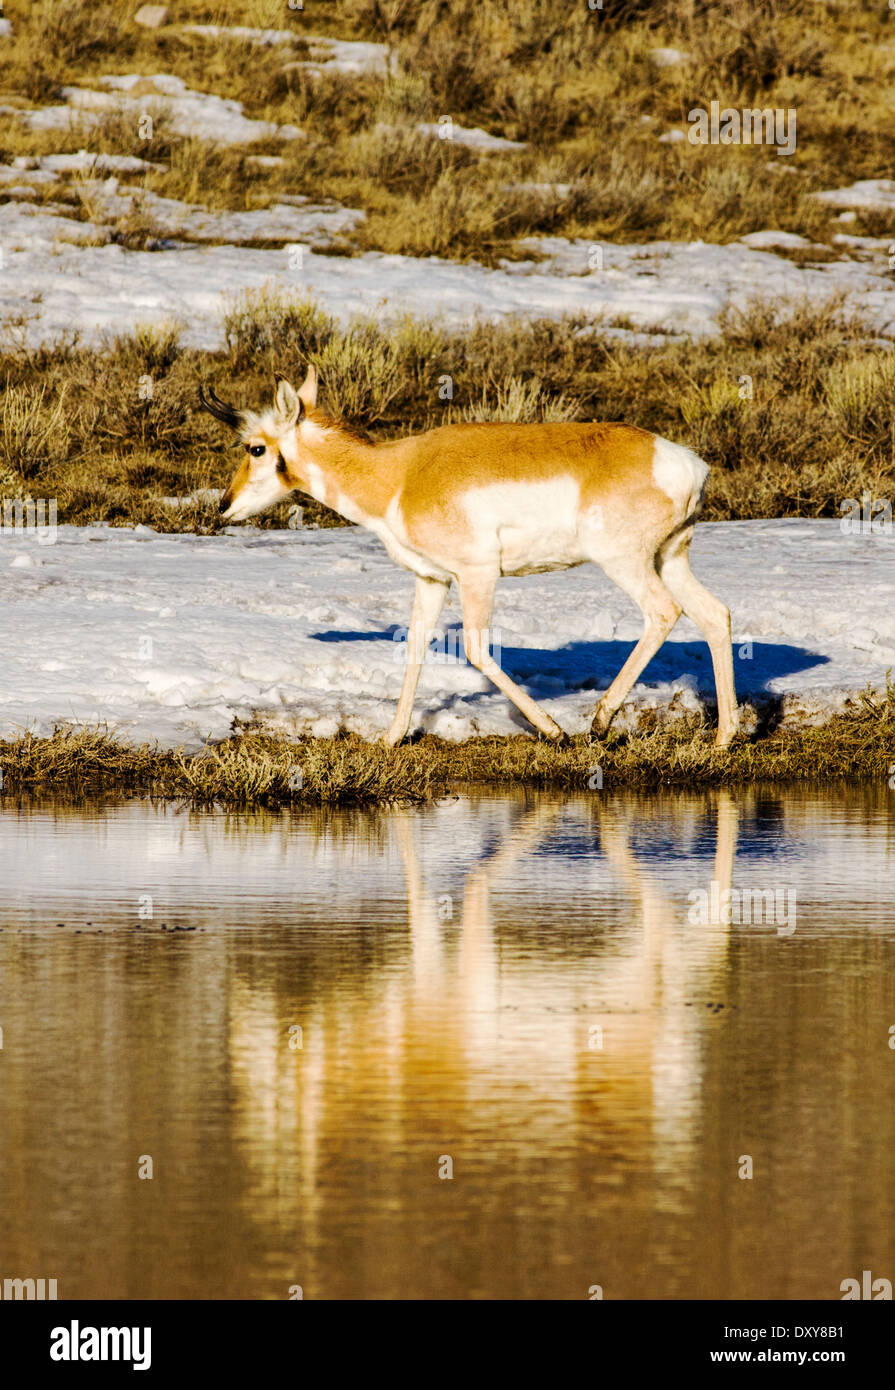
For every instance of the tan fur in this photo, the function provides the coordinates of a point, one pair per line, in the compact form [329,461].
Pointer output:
[611,463]
[237,483]
[469,502]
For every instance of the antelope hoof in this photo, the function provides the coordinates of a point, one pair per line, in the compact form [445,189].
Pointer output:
[561,740]
[725,736]
[599,727]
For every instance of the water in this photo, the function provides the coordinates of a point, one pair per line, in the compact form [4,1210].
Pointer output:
[522,988]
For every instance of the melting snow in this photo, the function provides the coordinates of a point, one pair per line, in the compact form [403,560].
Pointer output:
[674,287]
[877,195]
[173,636]
[347,56]
[473,136]
[281,222]
[190,113]
[326,54]
[668,57]
[86,162]
[772,240]
[241,33]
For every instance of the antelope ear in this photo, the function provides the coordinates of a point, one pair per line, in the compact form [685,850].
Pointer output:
[308,388]
[288,401]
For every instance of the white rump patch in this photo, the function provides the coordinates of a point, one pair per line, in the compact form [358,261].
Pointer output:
[679,472]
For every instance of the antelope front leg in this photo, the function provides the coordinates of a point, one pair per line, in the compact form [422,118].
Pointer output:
[477,599]
[427,605]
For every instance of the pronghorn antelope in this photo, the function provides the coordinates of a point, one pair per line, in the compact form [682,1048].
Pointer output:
[472,502]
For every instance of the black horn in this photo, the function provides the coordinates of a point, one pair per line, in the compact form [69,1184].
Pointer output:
[227,414]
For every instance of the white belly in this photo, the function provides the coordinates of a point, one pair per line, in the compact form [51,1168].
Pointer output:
[534,525]
[526,528]
[526,550]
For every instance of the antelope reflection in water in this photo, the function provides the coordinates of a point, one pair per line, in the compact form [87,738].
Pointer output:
[479,1030]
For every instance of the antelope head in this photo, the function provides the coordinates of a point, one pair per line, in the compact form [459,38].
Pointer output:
[271,468]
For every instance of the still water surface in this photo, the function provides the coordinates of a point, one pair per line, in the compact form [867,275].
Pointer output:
[525,986]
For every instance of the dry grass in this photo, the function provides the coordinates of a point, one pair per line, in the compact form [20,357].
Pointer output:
[520,402]
[35,432]
[258,770]
[577,86]
[109,432]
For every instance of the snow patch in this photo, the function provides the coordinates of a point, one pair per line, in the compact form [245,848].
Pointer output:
[670,287]
[668,57]
[324,54]
[190,113]
[86,162]
[173,637]
[472,136]
[281,222]
[876,195]
[242,33]
[351,57]
[772,240]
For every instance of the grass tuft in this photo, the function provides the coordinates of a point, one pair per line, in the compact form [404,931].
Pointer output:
[259,770]
[791,406]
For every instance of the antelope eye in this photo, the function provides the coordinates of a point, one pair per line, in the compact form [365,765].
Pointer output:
[256,450]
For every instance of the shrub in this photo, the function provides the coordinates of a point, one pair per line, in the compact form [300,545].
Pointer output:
[35,431]
[519,402]
[360,374]
[283,329]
